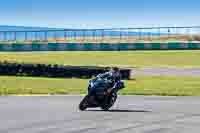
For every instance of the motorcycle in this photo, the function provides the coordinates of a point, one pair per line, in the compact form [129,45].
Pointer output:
[101,93]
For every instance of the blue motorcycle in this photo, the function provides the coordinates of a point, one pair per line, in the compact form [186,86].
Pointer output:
[101,93]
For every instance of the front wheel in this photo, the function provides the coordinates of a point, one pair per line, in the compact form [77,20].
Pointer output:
[110,102]
[84,103]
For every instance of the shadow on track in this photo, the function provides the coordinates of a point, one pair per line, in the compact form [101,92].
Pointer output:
[119,110]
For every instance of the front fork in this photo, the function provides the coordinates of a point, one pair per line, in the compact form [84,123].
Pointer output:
[108,92]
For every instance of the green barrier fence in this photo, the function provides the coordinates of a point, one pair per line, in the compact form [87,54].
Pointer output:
[97,46]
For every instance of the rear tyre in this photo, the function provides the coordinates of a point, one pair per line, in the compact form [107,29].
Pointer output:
[83,104]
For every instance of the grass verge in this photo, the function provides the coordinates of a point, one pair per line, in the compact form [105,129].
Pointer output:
[150,85]
[187,59]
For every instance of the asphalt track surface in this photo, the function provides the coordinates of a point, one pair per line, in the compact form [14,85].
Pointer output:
[131,114]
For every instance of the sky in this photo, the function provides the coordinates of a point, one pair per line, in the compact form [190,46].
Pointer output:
[99,13]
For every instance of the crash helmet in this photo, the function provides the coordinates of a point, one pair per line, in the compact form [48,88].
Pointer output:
[115,70]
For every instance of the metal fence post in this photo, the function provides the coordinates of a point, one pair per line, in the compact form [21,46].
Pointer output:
[45,36]
[74,32]
[168,33]
[55,37]
[93,35]
[120,35]
[15,36]
[5,38]
[35,35]
[140,34]
[84,32]
[103,39]
[149,35]
[158,33]
[65,35]
[26,36]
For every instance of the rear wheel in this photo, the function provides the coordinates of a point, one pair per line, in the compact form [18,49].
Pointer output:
[84,103]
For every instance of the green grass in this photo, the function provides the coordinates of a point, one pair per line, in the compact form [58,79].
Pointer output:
[31,85]
[151,85]
[127,58]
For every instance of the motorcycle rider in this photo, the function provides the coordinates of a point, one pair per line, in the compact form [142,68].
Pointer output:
[117,83]
[114,76]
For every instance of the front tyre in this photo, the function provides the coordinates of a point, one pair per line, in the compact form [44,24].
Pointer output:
[110,102]
[83,104]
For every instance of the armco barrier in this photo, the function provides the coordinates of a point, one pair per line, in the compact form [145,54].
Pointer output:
[99,46]
[43,70]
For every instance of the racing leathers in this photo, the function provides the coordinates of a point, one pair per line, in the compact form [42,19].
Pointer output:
[115,78]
